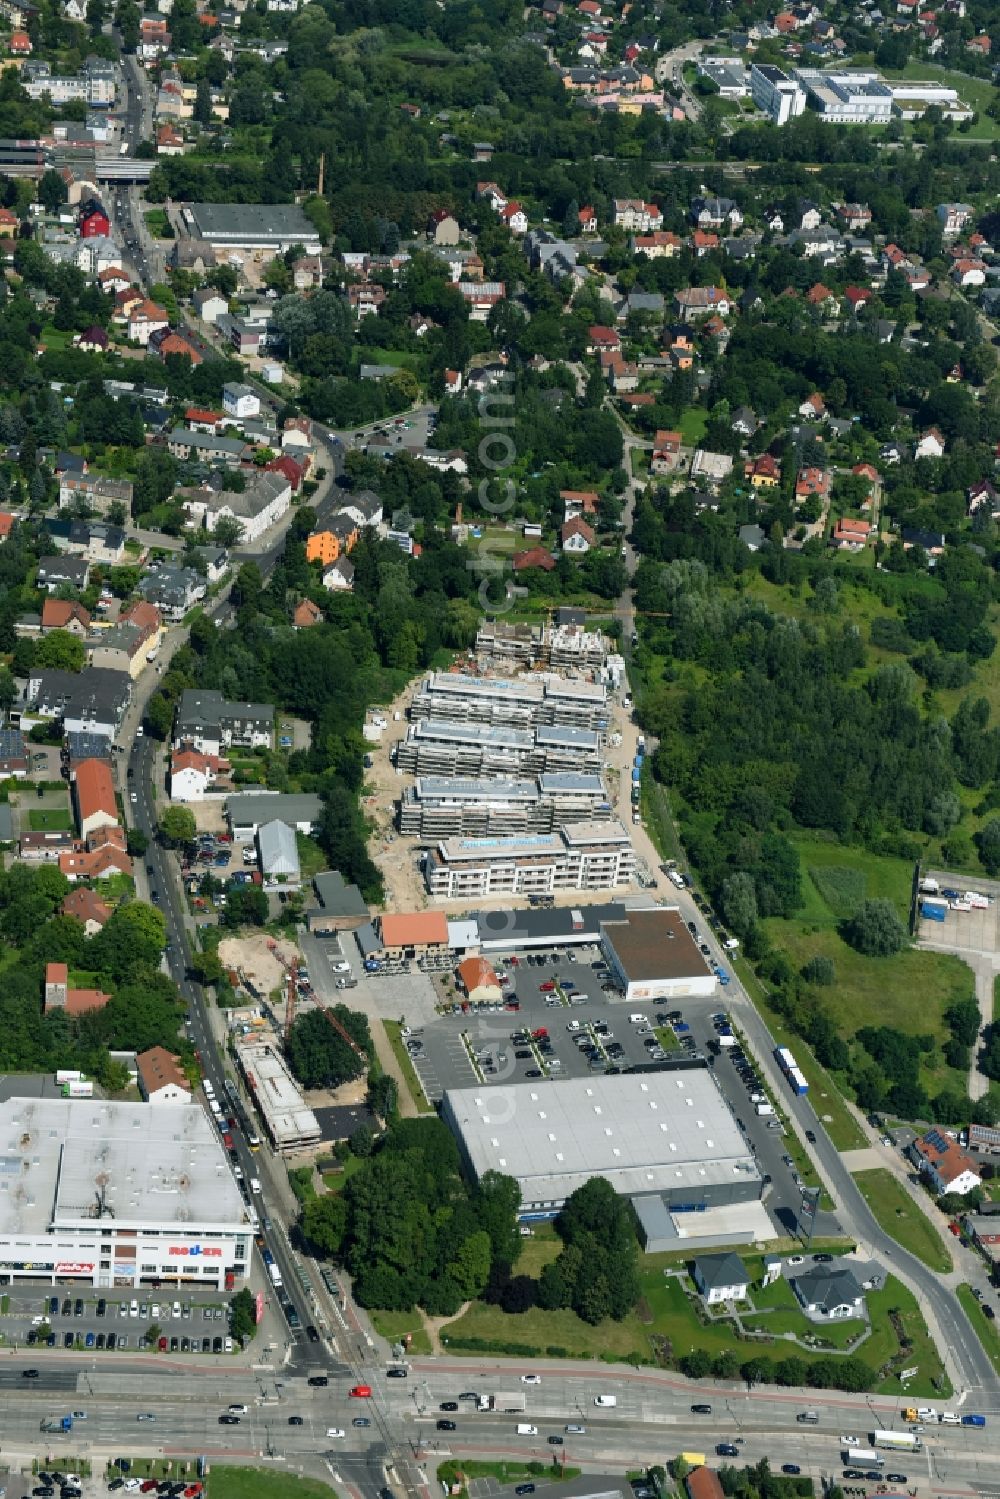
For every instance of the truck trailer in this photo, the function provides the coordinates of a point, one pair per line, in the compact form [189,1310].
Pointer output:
[904,1441]
[934,910]
[503,1400]
[862,1457]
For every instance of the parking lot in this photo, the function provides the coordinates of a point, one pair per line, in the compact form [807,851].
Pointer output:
[81,1318]
[563,1017]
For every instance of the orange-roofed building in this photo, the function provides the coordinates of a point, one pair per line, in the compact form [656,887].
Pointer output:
[20,44]
[6,524]
[88,908]
[850,535]
[322,546]
[306,615]
[414,933]
[95,864]
[94,795]
[704,1483]
[479,980]
[161,1080]
[59,996]
[65,614]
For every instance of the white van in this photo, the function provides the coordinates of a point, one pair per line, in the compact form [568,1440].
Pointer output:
[606,1400]
[638,1020]
[524,1430]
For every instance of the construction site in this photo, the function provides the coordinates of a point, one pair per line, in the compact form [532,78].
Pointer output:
[526,741]
[288,1114]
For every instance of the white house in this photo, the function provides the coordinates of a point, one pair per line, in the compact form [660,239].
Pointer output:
[931,445]
[145,318]
[339,575]
[829,1294]
[239,401]
[209,305]
[945,1165]
[192,773]
[160,1078]
[721,1277]
[576,536]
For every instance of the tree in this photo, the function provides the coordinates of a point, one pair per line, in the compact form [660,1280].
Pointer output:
[875,929]
[228,531]
[52,191]
[324,1222]
[382,1096]
[177,826]
[987,842]
[471,1265]
[136,842]
[319,1056]
[203,102]
[820,970]
[242,1316]
[154,1332]
[738,901]
[246,906]
[60,651]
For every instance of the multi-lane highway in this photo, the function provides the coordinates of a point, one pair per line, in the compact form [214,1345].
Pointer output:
[652,1421]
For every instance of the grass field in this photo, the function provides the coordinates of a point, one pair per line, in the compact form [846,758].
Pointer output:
[870,991]
[396,1325]
[985,1331]
[901,1218]
[666,1313]
[158,224]
[49,820]
[252,1483]
[692,425]
[392,1030]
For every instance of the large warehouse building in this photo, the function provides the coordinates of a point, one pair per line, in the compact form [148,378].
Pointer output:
[270,227]
[668,1136]
[653,956]
[118,1194]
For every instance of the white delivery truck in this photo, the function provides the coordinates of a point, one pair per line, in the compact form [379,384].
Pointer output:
[524,1430]
[606,1400]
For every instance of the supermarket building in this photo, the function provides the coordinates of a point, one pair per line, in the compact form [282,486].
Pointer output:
[118,1194]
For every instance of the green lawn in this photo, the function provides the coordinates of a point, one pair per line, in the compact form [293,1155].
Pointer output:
[538,1251]
[312,859]
[692,425]
[901,1218]
[253,1483]
[870,991]
[158,224]
[985,1331]
[392,1030]
[49,820]
[665,1313]
[395,1325]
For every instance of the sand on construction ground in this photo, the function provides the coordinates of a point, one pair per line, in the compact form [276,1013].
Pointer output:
[252,956]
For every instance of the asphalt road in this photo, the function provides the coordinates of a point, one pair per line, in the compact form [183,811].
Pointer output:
[652,1421]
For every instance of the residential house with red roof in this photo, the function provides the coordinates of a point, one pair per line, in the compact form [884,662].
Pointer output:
[850,535]
[65,614]
[59,996]
[94,797]
[533,557]
[944,1165]
[576,537]
[666,452]
[763,472]
[87,907]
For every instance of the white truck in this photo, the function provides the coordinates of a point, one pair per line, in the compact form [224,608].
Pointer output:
[275,1274]
[503,1400]
[903,1441]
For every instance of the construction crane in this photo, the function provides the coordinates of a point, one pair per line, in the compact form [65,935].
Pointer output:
[290,999]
